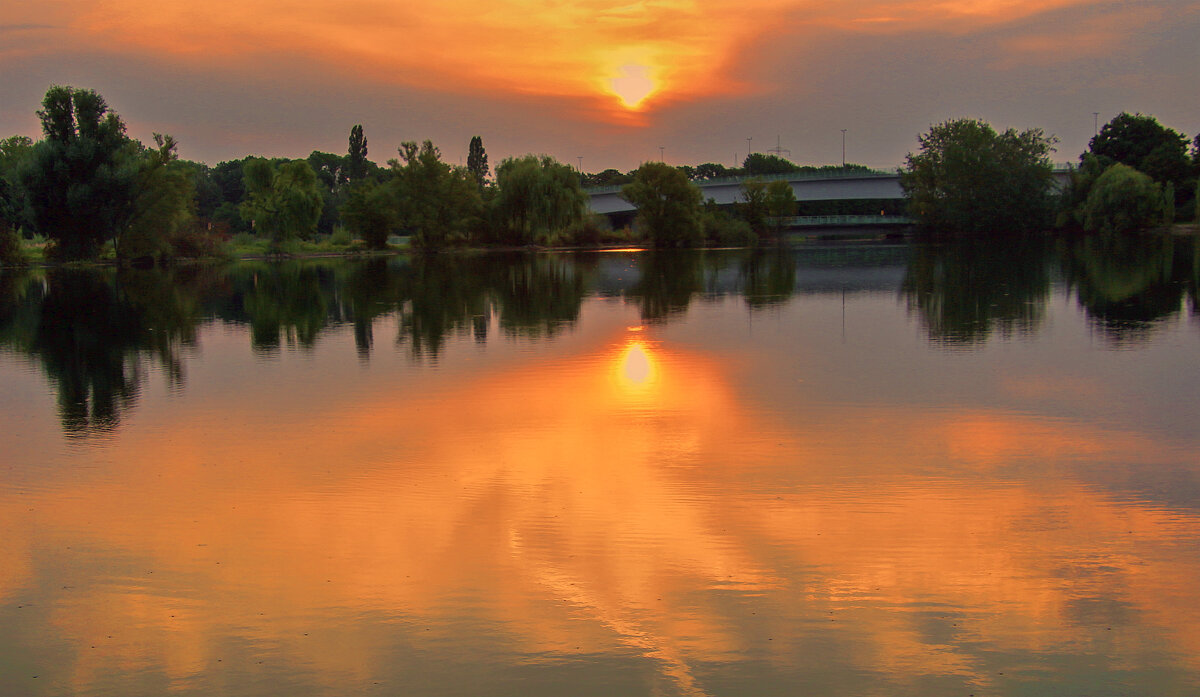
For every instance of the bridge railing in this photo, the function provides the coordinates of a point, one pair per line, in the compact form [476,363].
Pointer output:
[786,176]
[838,220]
[1060,168]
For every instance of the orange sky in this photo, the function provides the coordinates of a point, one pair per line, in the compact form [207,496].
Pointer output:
[607,80]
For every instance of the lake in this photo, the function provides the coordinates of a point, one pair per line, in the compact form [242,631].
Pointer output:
[873,469]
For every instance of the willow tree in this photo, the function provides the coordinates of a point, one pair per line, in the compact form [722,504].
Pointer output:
[282,201]
[537,199]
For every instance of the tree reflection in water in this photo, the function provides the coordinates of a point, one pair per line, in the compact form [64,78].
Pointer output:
[94,332]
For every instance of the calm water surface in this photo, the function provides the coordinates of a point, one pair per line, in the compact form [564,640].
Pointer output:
[871,470]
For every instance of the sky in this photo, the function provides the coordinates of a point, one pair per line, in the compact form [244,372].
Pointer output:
[603,83]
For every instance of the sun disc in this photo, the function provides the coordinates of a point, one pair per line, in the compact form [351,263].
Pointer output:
[633,85]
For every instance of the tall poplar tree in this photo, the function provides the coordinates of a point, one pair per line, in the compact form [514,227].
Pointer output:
[356,162]
[477,162]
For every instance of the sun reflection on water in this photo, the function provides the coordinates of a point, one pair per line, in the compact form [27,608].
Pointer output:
[637,367]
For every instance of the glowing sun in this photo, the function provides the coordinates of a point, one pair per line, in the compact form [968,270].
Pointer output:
[633,85]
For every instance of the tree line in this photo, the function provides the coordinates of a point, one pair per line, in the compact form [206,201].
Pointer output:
[87,185]
[968,178]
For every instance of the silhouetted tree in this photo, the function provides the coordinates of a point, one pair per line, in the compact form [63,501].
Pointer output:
[79,181]
[668,205]
[968,178]
[356,159]
[477,160]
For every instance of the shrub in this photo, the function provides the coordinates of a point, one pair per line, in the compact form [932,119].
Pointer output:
[1123,200]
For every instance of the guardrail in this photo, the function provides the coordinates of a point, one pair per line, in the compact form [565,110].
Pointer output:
[787,176]
[838,220]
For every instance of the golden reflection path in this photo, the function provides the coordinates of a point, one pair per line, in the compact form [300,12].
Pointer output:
[611,502]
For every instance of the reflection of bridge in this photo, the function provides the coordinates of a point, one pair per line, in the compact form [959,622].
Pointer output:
[808,186]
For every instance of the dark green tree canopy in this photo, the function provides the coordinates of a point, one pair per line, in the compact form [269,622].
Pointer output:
[1122,199]
[537,199]
[438,204]
[356,159]
[477,160]
[282,201]
[668,205]
[1144,144]
[79,181]
[758,163]
[968,178]
[710,170]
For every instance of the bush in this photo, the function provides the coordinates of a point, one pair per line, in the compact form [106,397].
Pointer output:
[10,247]
[1123,200]
[197,240]
[593,229]
[722,230]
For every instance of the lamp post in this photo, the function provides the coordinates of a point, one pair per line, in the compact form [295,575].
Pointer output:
[661,150]
[843,148]
[580,163]
[1096,121]
[748,150]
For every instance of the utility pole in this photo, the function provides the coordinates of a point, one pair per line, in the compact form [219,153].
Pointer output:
[779,150]
[843,148]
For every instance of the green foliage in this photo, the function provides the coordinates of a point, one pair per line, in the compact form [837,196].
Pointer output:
[14,150]
[163,202]
[723,230]
[356,158]
[370,213]
[477,160]
[537,200]
[781,203]
[1074,194]
[710,170]
[609,177]
[757,164]
[10,242]
[438,204]
[969,179]
[668,205]
[1142,143]
[282,201]
[753,206]
[1123,200]
[79,181]
[1149,147]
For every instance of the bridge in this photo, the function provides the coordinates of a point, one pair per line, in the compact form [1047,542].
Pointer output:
[808,186]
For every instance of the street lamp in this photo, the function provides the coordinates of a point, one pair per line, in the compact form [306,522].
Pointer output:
[843,148]
[580,163]
[748,150]
[661,151]
[1096,121]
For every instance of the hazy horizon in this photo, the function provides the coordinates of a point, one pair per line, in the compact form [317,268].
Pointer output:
[608,82]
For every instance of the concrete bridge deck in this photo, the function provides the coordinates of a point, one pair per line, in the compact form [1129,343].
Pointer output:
[808,186]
